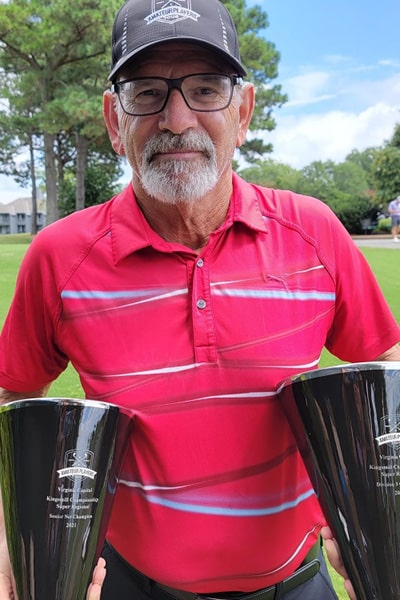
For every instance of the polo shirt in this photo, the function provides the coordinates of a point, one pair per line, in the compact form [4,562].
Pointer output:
[394,207]
[213,495]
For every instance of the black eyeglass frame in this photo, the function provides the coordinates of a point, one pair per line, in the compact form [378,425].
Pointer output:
[176,84]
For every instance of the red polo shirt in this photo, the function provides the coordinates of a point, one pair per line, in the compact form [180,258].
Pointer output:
[213,494]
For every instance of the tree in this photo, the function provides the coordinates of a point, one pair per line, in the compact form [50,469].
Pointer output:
[101,174]
[270,173]
[365,159]
[395,139]
[318,180]
[45,43]
[350,178]
[386,169]
[19,131]
[387,173]
[261,60]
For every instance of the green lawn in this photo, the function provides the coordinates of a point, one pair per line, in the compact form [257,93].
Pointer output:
[385,264]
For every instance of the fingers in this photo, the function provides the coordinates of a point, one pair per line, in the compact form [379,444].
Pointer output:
[99,574]
[335,558]
[6,589]
[350,590]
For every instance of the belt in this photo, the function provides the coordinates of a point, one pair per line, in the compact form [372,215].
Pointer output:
[308,569]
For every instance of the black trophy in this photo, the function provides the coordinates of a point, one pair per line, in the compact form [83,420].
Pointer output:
[346,421]
[59,461]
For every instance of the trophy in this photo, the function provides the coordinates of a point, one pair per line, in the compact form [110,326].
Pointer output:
[59,461]
[346,421]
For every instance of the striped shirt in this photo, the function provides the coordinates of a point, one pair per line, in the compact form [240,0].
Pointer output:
[213,495]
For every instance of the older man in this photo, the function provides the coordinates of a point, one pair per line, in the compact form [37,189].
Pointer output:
[189,297]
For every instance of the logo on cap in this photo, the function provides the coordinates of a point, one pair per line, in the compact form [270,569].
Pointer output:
[171,11]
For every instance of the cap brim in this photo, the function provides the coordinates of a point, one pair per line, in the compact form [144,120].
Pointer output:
[127,58]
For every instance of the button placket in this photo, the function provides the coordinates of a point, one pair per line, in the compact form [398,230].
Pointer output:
[203,322]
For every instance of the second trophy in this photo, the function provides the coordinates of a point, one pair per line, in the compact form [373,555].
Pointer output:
[346,421]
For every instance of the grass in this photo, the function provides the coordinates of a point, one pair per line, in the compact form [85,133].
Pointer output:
[385,264]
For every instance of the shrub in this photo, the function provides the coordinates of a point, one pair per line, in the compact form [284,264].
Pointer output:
[384,225]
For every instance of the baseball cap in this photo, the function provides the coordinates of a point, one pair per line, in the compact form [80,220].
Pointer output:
[141,24]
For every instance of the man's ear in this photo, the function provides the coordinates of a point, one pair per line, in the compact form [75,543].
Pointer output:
[112,122]
[246,110]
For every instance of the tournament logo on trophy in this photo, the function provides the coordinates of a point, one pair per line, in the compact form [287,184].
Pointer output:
[391,435]
[77,464]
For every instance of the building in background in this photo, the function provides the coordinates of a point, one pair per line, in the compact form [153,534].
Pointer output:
[16,216]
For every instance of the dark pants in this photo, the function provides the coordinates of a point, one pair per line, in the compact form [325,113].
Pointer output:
[122,583]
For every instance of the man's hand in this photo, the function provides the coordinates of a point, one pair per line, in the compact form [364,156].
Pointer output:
[99,574]
[334,557]
[6,589]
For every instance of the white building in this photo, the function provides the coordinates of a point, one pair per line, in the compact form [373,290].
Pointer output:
[16,216]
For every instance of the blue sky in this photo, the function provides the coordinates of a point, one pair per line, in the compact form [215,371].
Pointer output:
[340,66]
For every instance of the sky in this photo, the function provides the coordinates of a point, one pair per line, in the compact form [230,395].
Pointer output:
[339,66]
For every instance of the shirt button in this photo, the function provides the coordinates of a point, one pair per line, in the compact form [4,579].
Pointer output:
[200,262]
[201,304]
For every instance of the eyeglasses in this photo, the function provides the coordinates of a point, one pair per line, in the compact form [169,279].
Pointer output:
[204,92]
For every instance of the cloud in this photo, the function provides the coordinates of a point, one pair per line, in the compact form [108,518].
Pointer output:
[9,190]
[335,109]
[344,81]
[390,62]
[300,140]
[374,90]
[308,88]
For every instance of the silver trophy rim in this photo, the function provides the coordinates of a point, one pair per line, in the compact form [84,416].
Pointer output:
[57,401]
[340,370]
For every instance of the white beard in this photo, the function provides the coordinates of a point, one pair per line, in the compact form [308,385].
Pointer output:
[176,181]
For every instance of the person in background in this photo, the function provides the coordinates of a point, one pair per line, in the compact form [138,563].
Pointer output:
[189,297]
[394,212]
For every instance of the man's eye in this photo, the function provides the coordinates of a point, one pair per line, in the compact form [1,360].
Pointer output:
[205,91]
[149,92]
[148,95]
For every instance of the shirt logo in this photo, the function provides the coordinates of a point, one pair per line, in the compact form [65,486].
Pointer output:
[171,11]
[77,464]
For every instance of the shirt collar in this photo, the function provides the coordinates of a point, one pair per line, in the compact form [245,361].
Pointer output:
[245,206]
[131,232]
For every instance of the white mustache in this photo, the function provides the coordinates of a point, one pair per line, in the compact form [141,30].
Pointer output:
[168,142]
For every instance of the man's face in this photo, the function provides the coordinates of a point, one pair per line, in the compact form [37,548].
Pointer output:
[179,155]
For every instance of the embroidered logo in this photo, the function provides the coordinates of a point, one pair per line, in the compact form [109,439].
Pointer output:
[392,435]
[171,11]
[77,464]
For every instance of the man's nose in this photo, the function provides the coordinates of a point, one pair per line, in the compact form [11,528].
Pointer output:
[177,117]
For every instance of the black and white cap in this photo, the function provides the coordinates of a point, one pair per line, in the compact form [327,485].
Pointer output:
[141,24]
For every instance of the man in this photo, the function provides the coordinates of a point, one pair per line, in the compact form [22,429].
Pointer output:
[188,298]
[394,211]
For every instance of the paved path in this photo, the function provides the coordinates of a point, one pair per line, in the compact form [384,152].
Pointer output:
[376,241]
